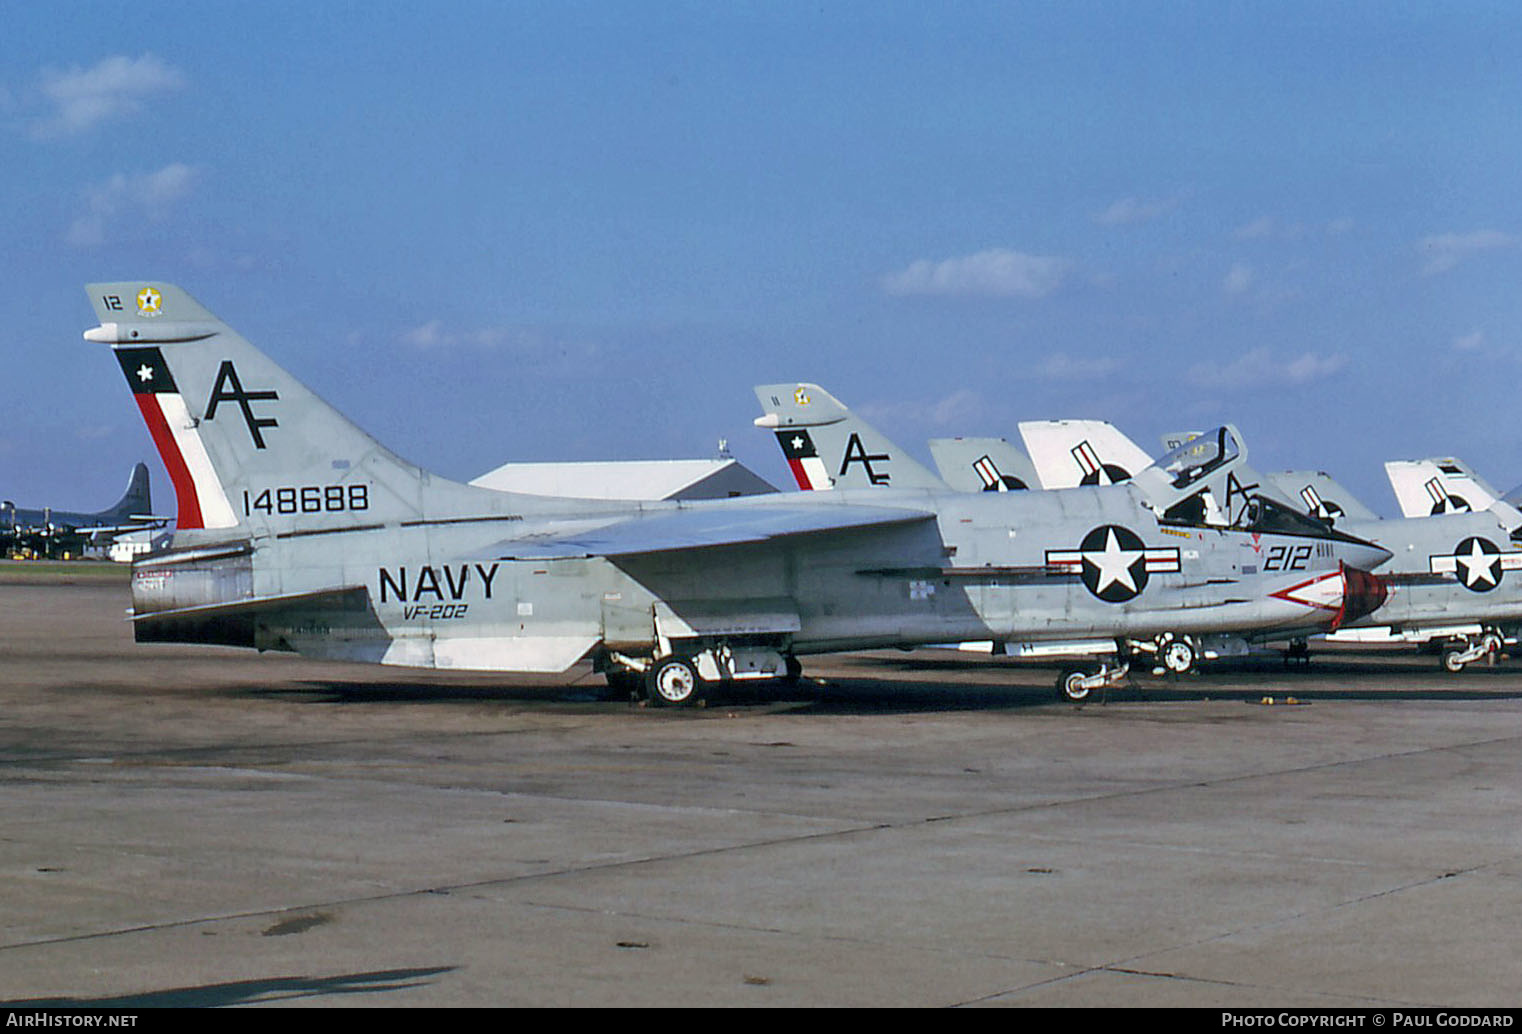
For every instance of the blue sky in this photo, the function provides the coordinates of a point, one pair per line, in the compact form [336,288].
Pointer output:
[546,231]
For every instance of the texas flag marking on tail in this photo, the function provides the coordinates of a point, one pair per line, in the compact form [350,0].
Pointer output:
[803,459]
[202,503]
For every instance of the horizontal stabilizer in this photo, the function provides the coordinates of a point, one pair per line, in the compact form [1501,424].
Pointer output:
[236,623]
[346,598]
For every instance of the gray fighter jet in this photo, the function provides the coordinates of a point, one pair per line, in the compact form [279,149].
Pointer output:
[1176,496]
[1447,584]
[300,532]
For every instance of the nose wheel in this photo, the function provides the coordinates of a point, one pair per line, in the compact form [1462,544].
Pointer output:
[1075,685]
[1459,653]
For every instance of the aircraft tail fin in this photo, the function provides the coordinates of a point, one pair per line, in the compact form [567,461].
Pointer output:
[1430,487]
[982,465]
[247,446]
[828,446]
[137,501]
[1069,453]
[1320,496]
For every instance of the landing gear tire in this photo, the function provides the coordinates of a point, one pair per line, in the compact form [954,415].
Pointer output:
[1453,659]
[673,682]
[1070,685]
[792,670]
[1177,655]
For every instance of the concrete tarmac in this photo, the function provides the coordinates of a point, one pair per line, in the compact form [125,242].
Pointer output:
[198,826]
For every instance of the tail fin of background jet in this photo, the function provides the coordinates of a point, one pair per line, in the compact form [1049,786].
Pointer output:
[1204,479]
[1320,496]
[1427,488]
[828,446]
[1432,487]
[246,445]
[1069,453]
[982,465]
[137,501]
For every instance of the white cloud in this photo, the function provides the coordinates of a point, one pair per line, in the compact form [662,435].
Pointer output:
[116,87]
[957,410]
[429,335]
[1131,210]
[1446,250]
[1238,280]
[1267,228]
[434,334]
[146,196]
[996,273]
[958,407]
[1472,342]
[1255,230]
[541,351]
[1262,369]
[1061,367]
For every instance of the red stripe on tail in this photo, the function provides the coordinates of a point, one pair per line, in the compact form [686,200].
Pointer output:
[184,485]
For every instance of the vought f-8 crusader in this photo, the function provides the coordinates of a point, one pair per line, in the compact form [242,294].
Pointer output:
[297,531]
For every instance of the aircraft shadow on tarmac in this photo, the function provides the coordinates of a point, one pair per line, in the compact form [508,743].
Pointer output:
[833,696]
[1403,677]
[893,685]
[243,992]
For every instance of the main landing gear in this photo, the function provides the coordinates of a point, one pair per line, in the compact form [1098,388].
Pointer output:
[1176,654]
[673,682]
[681,679]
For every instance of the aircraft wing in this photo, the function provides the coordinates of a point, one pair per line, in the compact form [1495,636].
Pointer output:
[696,528]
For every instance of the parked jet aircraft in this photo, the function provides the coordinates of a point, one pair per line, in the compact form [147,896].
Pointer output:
[50,532]
[1075,441]
[299,532]
[1166,498]
[1447,582]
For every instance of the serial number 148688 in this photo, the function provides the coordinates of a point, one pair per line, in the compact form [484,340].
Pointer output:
[307,499]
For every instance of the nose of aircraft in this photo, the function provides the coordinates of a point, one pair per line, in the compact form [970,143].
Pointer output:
[1360,553]
[1362,593]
